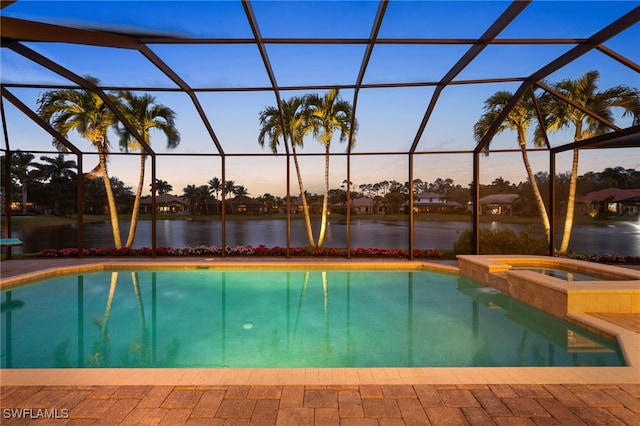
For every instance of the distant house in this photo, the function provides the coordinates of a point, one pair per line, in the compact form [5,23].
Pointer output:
[296,206]
[165,203]
[621,202]
[431,202]
[502,204]
[244,205]
[362,205]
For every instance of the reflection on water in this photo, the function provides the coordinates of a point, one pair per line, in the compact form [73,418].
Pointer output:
[615,238]
[214,318]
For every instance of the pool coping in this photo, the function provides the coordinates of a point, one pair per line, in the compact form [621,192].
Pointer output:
[133,263]
[628,340]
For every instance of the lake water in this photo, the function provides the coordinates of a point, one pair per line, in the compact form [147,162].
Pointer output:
[609,238]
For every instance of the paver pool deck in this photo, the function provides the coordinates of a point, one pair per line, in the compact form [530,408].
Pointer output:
[331,396]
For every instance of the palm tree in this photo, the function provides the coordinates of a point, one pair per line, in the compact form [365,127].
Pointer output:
[190,194]
[501,185]
[614,177]
[560,114]
[215,185]
[228,188]
[56,168]
[163,187]
[518,120]
[59,172]
[330,114]
[202,197]
[20,164]
[240,191]
[144,114]
[297,125]
[85,112]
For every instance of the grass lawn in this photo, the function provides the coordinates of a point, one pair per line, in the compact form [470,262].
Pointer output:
[37,221]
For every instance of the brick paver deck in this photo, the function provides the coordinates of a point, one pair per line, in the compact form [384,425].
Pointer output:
[323,405]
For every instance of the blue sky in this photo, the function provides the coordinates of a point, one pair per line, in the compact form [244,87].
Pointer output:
[389,118]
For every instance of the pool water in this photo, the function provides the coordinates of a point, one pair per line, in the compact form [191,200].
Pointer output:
[283,318]
[569,274]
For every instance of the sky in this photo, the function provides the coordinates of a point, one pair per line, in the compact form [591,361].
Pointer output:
[388,118]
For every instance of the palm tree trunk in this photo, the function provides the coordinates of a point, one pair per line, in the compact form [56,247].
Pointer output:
[325,292]
[111,201]
[536,191]
[112,293]
[102,350]
[305,206]
[305,283]
[325,201]
[143,351]
[571,202]
[136,204]
[138,295]
[24,197]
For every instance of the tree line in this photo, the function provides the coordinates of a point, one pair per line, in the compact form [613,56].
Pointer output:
[392,194]
[51,185]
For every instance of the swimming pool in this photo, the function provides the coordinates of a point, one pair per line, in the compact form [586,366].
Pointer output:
[283,318]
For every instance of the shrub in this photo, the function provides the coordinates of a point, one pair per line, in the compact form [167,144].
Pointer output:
[260,250]
[503,241]
[491,242]
[602,258]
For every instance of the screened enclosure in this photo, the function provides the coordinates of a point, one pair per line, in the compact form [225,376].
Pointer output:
[417,76]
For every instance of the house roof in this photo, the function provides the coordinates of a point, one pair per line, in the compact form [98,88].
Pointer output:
[432,199]
[358,202]
[163,199]
[243,199]
[501,199]
[609,194]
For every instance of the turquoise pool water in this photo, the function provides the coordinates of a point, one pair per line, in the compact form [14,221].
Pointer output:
[570,274]
[283,318]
